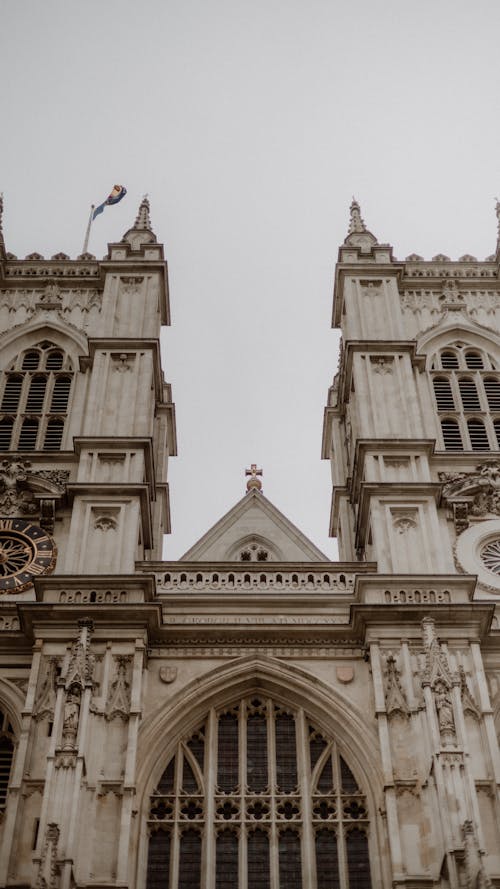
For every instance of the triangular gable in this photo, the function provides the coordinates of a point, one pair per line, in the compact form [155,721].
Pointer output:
[254,521]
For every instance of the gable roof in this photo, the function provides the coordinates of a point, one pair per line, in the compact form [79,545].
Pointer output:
[254,519]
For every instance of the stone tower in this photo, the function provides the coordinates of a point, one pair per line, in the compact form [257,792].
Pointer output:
[252,715]
[412,430]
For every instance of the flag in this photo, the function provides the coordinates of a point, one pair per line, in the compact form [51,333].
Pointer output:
[118,192]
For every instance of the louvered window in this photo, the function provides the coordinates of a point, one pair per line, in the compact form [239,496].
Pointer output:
[468,395]
[449,361]
[60,394]
[451,435]
[30,361]
[6,427]
[478,435]
[55,360]
[465,395]
[53,435]
[28,435]
[6,756]
[496,426]
[255,794]
[474,360]
[32,390]
[12,393]
[492,389]
[36,394]
[444,395]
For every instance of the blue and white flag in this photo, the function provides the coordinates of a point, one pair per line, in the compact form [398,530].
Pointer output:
[118,192]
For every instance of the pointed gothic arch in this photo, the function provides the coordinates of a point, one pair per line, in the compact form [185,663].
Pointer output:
[282,685]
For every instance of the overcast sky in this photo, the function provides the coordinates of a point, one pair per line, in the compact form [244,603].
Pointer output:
[250,126]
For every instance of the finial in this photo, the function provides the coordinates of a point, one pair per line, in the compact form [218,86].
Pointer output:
[356,221]
[254,483]
[141,232]
[143,221]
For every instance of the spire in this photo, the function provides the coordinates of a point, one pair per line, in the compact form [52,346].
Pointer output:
[356,221]
[141,232]
[358,234]
[143,220]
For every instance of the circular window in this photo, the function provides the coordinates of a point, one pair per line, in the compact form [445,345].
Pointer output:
[478,552]
[490,556]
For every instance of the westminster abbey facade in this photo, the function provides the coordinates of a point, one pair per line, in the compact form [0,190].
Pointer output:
[254,715]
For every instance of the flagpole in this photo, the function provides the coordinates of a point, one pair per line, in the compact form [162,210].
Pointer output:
[87,233]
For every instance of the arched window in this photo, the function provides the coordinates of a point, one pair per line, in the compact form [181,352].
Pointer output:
[465,395]
[468,394]
[28,434]
[451,435]
[474,360]
[478,435]
[443,393]
[492,389]
[33,389]
[256,797]
[449,360]
[6,756]
[12,392]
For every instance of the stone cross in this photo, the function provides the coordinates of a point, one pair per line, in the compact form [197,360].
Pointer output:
[253,482]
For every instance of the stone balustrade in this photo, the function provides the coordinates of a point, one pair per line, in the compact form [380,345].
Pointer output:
[241,578]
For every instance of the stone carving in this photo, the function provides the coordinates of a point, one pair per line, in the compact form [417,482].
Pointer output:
[476,876]
[168,674]
[48,870]
[19,481]
[105,523]
[468,703]
[450,294]
[46,697]
[14,495]
[79,675]
[404,523]
[71,719]
[438,676]
[122,362]
[344,674]
[395,700]
[118,703]
[382,365]
[472,495]
[9,623]
[51,296]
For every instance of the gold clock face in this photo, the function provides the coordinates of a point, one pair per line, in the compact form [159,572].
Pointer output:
[26,551]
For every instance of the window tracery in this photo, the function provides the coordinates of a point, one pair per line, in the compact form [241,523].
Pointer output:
[467,392]
[257,797]
[34,398]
